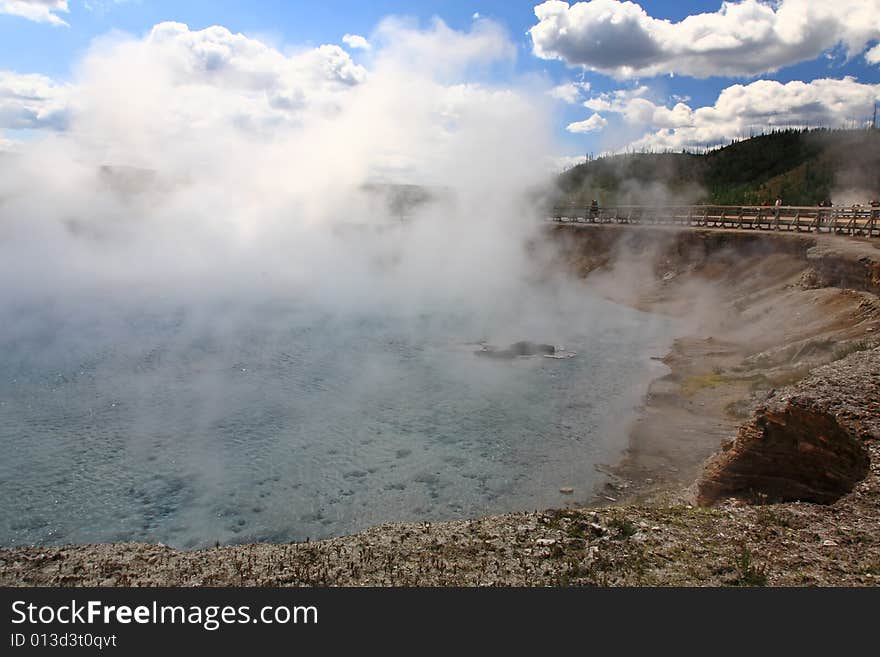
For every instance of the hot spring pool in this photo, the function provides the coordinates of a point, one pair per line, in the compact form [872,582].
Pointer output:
[279,423]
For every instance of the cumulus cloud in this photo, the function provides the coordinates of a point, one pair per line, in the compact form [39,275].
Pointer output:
[217,55]
[740,39]
[741,110]
[440,48]
[29,102]
[356,41]
[592,124]
[178,81]
[569,92]
[41,11]
[614,101]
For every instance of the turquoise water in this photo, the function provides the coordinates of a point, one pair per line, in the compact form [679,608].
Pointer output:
[281,422]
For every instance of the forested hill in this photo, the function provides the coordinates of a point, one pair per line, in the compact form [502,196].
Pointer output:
[804,167]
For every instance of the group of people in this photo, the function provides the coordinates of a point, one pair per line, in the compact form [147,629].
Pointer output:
[873,204]
[824,203]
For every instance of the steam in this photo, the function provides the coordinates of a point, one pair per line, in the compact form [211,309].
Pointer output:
[235,269]
[204,164]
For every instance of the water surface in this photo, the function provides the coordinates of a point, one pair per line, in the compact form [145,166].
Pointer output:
[282,422]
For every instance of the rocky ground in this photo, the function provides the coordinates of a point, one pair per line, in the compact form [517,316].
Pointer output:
[779,364]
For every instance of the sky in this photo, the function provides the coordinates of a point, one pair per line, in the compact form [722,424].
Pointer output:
[610,76]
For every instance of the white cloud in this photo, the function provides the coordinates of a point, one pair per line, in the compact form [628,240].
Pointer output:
[592,124]
[559,163]
[740,39]
[614,101]
[741,110]
[569,92]
[215,55]
[176,80]
[41,11]
[356,41]
[440,49]
[254,153]
[177,86]
[29,102]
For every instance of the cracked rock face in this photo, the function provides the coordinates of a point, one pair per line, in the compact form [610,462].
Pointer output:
[789,451]
[806,443]
[834,269]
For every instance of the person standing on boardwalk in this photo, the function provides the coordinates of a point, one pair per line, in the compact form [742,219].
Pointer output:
[823,215]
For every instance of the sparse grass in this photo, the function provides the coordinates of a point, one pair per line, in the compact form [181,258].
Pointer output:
[748,572]
[770,518]
[623,527]
[873,568]
[693,384]
[576,530]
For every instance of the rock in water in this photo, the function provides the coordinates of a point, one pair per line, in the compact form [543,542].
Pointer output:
[531,349]
[523,348]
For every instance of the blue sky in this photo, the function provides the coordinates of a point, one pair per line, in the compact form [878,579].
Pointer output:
[643,62]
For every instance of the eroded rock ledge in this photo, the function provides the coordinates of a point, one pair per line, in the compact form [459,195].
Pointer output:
[807,443]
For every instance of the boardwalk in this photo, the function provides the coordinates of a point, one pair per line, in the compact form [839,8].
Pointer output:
[857,220]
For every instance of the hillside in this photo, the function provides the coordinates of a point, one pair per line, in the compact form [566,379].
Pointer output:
[804,167]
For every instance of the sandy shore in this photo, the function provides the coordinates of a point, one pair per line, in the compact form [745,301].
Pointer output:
[768,319]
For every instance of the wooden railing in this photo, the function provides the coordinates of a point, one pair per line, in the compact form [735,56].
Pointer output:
[855,220]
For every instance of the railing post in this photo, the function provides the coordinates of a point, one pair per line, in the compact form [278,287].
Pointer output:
[851,221]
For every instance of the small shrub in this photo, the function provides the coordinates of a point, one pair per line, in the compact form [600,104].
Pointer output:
[623,527]
[748,572]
